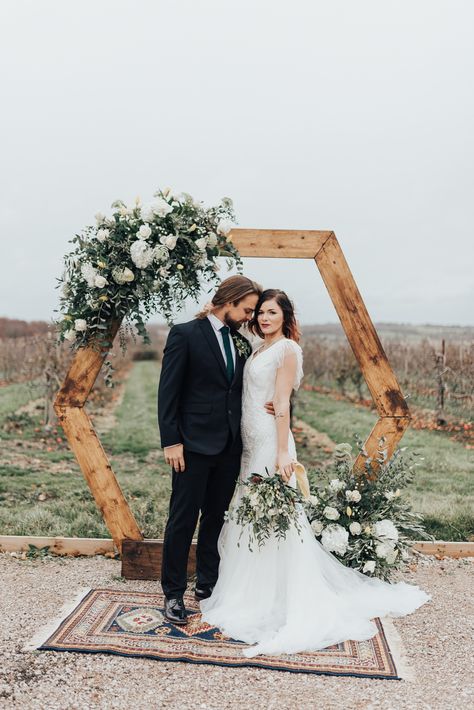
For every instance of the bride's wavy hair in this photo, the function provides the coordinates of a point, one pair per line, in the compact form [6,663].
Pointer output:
[231,290]
[290,326]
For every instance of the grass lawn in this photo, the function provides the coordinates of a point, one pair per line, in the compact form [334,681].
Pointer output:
[14,396]
[443,489]
[44,493]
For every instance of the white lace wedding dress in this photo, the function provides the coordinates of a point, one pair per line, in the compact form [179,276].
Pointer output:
[290,595]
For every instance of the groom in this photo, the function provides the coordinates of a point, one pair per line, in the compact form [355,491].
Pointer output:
[199,410]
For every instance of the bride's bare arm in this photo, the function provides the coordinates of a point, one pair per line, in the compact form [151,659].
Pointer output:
[281,401]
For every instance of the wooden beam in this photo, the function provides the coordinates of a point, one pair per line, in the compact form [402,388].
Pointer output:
[77,546]
[73,546]
[83,373]
[279,243]
[98,473]
[142,559]
[360,331]
[392,428]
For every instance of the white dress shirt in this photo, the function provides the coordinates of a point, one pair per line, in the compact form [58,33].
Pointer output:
[217,325]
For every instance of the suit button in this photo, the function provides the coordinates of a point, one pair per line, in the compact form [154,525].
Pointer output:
[230,411]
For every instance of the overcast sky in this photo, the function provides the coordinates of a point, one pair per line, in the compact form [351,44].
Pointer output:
[343,115]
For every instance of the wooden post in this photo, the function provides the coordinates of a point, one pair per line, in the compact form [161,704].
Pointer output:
[85,443]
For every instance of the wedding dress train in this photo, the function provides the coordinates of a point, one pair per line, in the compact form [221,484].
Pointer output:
[290,595]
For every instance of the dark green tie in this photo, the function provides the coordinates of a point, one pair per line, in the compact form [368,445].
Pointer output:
[228,352]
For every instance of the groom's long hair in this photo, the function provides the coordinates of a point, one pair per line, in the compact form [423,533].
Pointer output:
[231,290]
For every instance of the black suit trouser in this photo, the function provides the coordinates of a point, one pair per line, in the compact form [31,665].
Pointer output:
[206,486]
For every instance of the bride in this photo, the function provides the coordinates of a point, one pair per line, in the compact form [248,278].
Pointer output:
[289,595]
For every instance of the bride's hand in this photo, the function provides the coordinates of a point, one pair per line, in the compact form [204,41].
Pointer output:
[285,466]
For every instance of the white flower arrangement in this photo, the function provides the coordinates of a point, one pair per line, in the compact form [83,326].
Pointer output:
[141,260]
[377,527]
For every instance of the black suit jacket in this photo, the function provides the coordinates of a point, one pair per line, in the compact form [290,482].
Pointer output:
[197,406]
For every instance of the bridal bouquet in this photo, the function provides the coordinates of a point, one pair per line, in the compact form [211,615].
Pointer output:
[268,507]
[363,520]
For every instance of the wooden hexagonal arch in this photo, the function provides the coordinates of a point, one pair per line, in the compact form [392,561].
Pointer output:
[323,247]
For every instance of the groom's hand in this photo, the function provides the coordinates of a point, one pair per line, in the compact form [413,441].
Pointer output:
[174,456]
[269,408]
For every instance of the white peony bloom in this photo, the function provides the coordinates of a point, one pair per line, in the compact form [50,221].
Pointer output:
[158,208]
[354,496]
[212,240]
[160,253]
[224,227]
[389,495]
[88,273]
[382,549]
[169,241]
[141,254]
[123,276]
[317,527]
[336,485]
[369,566]
[385,529]
[201,243]
[100,281]
[102,234]
[314,500]
[70,334]
[355,528]
[144,232]
[80,325]
[99,217]
[330,513]
[335,538]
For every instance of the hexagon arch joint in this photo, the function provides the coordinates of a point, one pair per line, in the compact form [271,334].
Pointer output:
[323,247]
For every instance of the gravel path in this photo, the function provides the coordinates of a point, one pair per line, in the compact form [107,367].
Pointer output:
[438,639]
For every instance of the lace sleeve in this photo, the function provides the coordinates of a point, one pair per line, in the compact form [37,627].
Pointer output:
[288,348]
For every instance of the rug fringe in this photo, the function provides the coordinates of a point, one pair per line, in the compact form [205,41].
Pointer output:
[397,649]
[45,631]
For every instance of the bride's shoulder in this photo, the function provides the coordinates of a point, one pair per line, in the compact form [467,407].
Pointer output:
[289,344]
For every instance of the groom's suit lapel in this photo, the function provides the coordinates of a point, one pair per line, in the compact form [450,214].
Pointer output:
[210,336]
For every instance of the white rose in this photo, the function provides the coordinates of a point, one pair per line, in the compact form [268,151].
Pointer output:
[330,513]
[99,217]
[354,496]
[80,325]
[389,495]
[169,241]
[335,538]
[317,527]
[144,232]
[102,234]
[100,281]
[70,334]
[314,500]
[212,240]
[385,529]
[355,528]
[123,276]
[224,227]
[369,566]
[201,243]
[336,485]
[160,207]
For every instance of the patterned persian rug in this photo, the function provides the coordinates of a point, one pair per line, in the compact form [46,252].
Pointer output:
[132,624]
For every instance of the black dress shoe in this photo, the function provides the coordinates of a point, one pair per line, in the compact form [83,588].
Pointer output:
[203,592]
[175,611]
